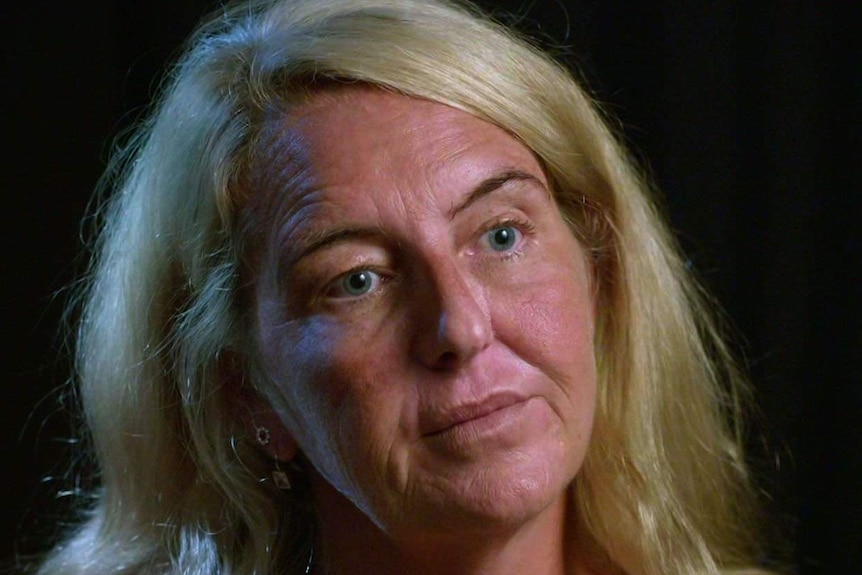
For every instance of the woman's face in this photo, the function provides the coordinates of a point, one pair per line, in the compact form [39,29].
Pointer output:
[423,312]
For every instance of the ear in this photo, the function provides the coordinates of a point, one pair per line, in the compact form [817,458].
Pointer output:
[256,417]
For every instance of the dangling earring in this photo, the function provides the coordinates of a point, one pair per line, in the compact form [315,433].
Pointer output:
[280,478]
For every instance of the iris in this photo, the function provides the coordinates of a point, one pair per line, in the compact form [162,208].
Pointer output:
[358,283]
[502,239]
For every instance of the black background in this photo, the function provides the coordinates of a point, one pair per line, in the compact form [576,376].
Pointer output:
[747,115]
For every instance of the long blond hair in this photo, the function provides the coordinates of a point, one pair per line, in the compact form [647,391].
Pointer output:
[664,487]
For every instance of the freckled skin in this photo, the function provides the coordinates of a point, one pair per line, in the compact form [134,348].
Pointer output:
[364,383]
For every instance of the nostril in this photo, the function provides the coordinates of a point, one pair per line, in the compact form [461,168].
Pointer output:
[447,360]
[453,322]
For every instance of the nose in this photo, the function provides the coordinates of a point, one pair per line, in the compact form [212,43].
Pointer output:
[453,318]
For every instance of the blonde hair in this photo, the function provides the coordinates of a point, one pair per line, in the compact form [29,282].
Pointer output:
[664,486]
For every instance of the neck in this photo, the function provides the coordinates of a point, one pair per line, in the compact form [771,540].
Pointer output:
[350,543]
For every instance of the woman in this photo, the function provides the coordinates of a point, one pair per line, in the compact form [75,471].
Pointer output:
[377,291]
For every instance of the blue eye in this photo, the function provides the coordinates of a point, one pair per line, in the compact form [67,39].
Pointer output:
[359,283]
[502,238]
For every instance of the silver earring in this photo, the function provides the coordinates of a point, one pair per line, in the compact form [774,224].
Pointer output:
[262,435]
[280,478]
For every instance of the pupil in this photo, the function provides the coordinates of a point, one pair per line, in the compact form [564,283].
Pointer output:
[358,281]
[503,238]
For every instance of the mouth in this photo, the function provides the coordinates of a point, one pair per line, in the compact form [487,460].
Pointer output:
[485,413]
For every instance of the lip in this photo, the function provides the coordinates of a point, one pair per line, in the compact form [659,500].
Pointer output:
[440,421]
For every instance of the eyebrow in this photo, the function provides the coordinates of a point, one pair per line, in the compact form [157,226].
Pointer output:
[315,241]
[318,240]
[490,185]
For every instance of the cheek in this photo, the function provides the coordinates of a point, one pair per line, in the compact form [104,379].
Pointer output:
[295,360]
[547,321]
[294,354]
[337,395]
[550,320]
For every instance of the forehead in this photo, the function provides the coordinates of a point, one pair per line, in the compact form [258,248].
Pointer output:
[365,131]
[361,153]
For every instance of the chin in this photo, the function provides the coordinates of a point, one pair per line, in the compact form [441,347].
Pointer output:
[497,496]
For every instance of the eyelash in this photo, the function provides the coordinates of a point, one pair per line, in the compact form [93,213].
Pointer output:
[525,227]
[385,277]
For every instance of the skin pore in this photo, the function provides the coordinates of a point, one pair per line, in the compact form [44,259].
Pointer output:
[424,318]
